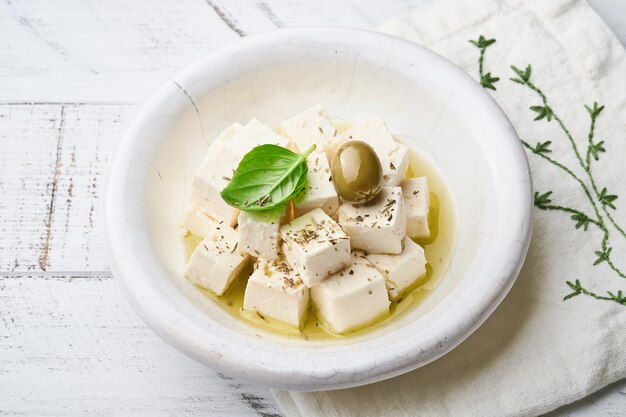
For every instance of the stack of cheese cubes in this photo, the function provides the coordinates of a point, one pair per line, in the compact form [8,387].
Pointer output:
[349,260]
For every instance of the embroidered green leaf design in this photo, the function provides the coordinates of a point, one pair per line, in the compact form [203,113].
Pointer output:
[595,149]
[568,296]
[582,220]
[576,287]
[606,198]
[487,81]
[524,75]
[543,147]
[599,200]
[482,42]
[542,111]
[603,255]
[619,298]
[542,200]
[594,110]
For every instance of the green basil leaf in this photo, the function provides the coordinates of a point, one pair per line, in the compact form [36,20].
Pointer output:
[267,177]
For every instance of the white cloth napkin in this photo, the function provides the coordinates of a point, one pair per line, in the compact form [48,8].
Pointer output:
[538,351]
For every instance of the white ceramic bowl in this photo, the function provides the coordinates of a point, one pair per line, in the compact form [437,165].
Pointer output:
[428,102]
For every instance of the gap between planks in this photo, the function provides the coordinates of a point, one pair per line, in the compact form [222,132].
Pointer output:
[43,257]
[101,275]
[70,103]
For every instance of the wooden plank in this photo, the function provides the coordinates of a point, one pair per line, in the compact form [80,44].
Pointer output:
[86,50]
[101,51]
[51,171]
[71,346]
[258,17]
[31,139]
[90,136]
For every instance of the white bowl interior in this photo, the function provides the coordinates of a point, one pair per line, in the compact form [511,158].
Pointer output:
[428,104]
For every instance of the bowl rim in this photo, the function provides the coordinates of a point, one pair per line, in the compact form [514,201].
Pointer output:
[161,315]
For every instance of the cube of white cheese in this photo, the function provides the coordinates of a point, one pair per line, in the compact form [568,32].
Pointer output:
[196,221]
[276,291]
[209,180]
[215,262]
[352,297]
[379,226]
[213,175]
[320,191]
[315,246]
[222,160]
[417,202]
[258,233]
[402,270]
[394,156]
[226,136]
[311,127]
[252,135]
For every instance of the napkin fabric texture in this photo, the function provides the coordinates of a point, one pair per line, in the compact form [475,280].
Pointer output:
[537,351]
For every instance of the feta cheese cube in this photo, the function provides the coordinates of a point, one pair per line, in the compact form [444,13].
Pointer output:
[258,233]
[311,127]
[195,221]
[221,162]
[394,156]
[315,246]
[403,270]
[276,291]
[209,180]
[417,202]
[320,191]
[351,298]
[254,134]
[213,175]
[226,136]
[376,227]
[215,262]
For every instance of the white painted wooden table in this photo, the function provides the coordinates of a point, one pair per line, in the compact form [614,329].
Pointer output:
[71,75]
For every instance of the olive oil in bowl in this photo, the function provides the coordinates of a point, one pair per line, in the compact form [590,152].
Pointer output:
[438,250]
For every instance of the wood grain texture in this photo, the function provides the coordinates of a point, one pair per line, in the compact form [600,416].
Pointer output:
[70,78]
[30,137]
[71,346]
[52,168]
[90,135]
[76,51]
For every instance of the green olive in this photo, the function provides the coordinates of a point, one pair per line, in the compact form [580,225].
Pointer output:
[357,172]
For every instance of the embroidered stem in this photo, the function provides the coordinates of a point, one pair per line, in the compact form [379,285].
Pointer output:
[481,57]
[542,201]
[605,254]
[486,80]
[546,111]
[591,131]
[593,148]
[577,214]
[603,198]
[578,289]
[571,173]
